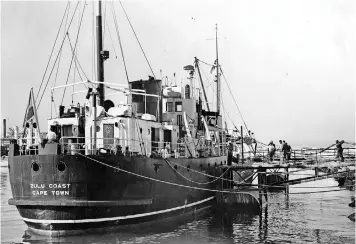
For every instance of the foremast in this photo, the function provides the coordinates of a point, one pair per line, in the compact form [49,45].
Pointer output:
[101,56]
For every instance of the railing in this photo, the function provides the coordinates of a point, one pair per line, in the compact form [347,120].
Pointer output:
[25,149]
[306,154]
[193,148]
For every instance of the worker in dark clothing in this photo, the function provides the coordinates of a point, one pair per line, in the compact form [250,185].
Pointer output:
[229,153]
[289,151]
[271,150]
[339,150]
[284,150]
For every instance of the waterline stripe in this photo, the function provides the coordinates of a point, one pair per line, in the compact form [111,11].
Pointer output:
[75,221]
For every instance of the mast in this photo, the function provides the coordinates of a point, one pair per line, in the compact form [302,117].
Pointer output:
[217,74]
[201,82]
[101,55]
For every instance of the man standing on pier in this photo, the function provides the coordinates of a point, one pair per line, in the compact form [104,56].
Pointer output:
[339,150]
[284,150]
[280,151]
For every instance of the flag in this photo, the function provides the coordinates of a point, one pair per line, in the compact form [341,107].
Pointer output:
[31,114]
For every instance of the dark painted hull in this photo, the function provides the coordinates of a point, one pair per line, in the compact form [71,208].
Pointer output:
[93,196]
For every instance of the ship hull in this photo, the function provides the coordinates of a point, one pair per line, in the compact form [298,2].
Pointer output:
[71,194]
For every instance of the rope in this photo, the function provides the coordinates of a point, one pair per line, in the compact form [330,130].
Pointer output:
[50,56]
[118,37]
[77,62]
[191,187]
[160,181]
[211,176]
[234,98]
[75,46]
[239,183]
[206,63]
[112,42]
[70,23]
[127,17]
[200,183]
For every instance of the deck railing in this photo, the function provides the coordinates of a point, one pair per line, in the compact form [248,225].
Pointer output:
[193,148]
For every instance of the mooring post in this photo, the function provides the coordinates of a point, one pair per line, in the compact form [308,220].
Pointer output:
[242,146]
[265,183]
[259,182]
[287,179]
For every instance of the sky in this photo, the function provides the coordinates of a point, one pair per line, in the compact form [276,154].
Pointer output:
[291,65]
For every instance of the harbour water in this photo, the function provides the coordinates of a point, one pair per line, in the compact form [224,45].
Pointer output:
[293,218]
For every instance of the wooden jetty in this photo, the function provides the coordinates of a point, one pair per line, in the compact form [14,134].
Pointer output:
[270,176]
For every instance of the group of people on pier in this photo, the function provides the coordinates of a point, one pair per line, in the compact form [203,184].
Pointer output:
[284,150]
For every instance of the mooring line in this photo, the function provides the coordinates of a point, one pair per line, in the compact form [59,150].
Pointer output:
[200,183]
[162,181]
[247,184]
[211,176]
[193,187]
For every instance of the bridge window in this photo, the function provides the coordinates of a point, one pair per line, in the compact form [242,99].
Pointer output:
[169,107]
[179,107]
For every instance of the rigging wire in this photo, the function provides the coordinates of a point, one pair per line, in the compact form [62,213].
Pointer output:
[59,61]
[77,62]
[212,65]
[233,98]
[118,37]
[104,29]
[57,56]
[127,17]
[50,56]
[112,42]
[75,46]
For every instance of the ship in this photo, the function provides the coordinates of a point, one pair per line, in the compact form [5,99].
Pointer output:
[155,157]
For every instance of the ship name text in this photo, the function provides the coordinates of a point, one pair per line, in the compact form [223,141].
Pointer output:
[50,189]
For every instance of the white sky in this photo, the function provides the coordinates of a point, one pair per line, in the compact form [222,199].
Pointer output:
[291,64]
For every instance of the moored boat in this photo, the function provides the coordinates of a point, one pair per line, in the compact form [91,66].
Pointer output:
[104,166]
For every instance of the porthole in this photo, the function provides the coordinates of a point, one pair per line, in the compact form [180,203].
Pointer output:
[216,164]
[201,167]
[116,124]
[188,168]
[35,166]
[208,165]
[175,167]
[61,166]
[221,163]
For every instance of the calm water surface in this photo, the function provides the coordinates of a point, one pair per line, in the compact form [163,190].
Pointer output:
[297,218]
